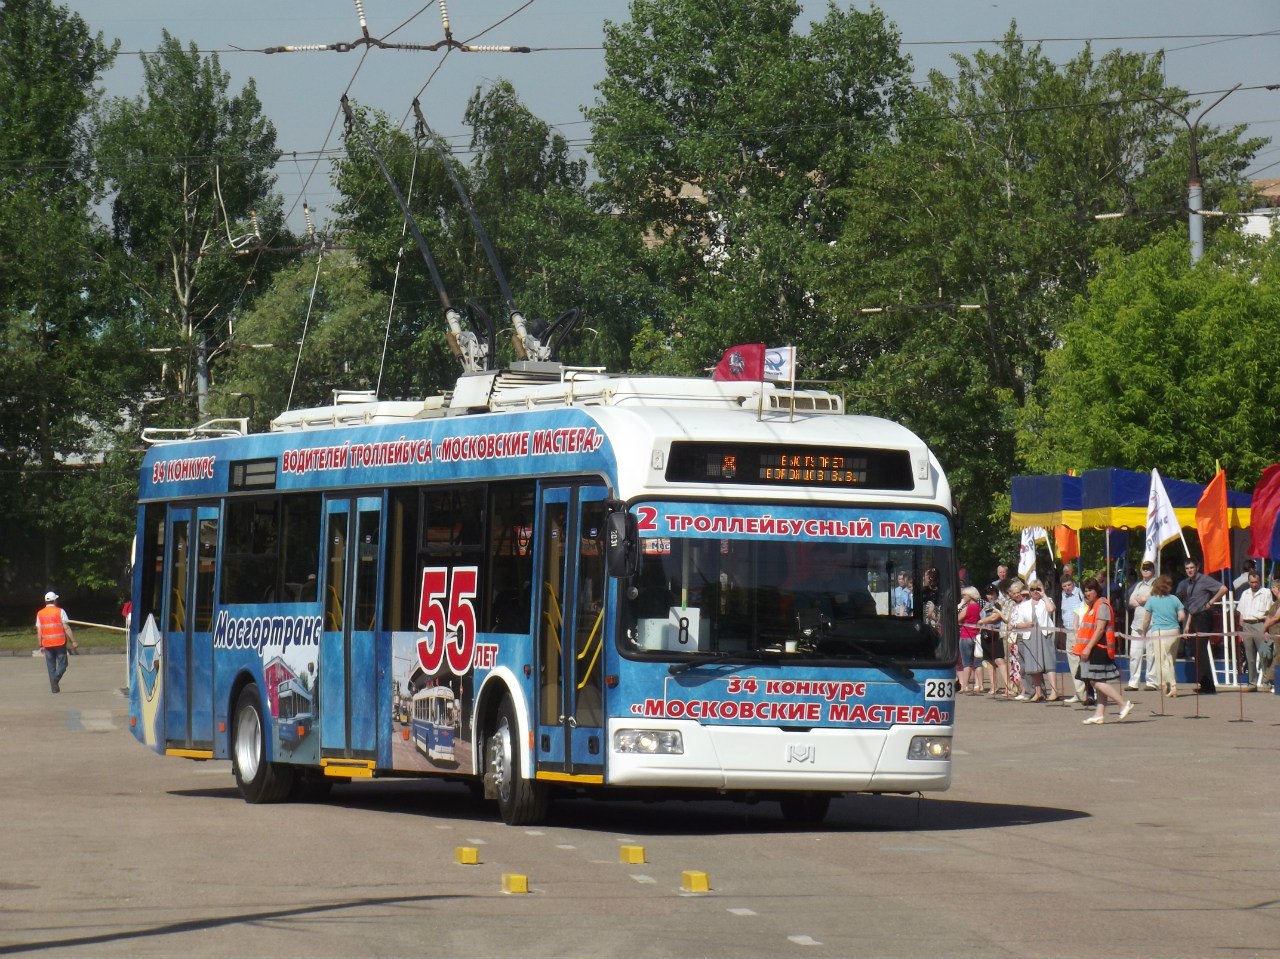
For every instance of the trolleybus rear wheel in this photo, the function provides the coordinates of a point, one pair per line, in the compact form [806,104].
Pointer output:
[258,780]
[522,802]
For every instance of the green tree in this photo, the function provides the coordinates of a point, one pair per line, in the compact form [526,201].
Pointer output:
[988,199]
[561,250]
[67,363]
[719,132]
[1165,365]
[189,165]
[557,250]
[318,328]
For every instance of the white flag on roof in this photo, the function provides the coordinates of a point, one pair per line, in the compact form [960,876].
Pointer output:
[780,363]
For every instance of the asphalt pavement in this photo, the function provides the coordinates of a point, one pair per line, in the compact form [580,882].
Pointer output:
[1151,837]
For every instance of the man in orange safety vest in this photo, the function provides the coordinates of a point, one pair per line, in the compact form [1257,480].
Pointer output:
[54,632]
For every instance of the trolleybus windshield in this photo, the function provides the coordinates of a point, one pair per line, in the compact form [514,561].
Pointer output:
[832,601]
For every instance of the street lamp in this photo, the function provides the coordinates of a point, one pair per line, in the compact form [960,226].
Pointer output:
[1195,195]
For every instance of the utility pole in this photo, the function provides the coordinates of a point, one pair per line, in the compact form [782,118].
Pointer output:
[202,373]
[1195,194]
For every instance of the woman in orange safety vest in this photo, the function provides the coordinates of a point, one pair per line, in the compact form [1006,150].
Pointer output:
[1096,646]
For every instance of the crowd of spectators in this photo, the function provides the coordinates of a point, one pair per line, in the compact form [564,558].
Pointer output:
[1012,632]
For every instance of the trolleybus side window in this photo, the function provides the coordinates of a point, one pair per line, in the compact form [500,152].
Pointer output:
[400,604]
[508,586]
[253,530]
[489,526]
[299,559]
[453,523]
[151,564]
[272,544]
[206,573]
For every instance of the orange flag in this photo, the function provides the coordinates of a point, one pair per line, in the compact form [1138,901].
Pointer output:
[1068,543]
[1211,521]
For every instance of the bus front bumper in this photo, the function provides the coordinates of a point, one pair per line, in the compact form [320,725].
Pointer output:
[763,757]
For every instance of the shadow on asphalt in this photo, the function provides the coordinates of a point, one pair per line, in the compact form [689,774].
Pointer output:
[852,814]
[305,913]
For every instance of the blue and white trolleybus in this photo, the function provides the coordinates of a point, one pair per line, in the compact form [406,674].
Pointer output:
[630,583]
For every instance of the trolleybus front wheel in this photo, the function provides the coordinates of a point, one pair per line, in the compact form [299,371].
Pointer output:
[805,808]
[258,780]
[522,802]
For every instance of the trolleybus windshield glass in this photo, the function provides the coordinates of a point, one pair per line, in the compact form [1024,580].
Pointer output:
[832,601]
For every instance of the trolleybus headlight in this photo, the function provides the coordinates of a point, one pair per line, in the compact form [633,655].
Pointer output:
[929,747]
[652,741]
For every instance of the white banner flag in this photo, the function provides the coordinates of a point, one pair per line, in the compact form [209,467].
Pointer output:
[780,363]
[1162,523]
[1027,549]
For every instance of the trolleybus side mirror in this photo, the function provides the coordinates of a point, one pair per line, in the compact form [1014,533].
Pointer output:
[622,542]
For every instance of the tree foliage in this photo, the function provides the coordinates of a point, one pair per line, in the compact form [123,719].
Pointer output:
[555,248]
[1165,365]
[65,381]
[932,250]
[188,163]
[719,131]
[987,199]
[317,329]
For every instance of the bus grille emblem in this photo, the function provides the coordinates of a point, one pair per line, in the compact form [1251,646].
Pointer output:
[802,754]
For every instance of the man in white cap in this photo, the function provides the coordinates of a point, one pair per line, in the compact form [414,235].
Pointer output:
[54,631]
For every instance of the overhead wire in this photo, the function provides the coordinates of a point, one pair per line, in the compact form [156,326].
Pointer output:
[306,322]
[395,283]
[1208,38]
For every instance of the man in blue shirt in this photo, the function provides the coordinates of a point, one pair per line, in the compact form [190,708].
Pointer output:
[902,599]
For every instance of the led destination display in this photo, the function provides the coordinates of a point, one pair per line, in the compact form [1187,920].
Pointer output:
[756,464]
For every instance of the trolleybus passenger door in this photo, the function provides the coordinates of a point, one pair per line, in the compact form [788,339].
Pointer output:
[347,694]
[190,564]
[571,634]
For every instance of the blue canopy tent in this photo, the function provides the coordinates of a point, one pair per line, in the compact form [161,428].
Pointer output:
[1108,497]
[1048,501]
[1116,497]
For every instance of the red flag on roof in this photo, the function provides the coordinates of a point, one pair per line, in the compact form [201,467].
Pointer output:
[1211,521]
[744,362]
[1262,516]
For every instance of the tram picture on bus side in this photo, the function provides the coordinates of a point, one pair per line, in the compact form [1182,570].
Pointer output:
[429,716]
[550,581]
[295,710]
[435,723]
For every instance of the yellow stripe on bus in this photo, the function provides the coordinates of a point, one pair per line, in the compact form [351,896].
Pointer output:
[190,753]
[570,778]
[348,768]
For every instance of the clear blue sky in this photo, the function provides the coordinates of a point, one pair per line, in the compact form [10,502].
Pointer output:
[300,92]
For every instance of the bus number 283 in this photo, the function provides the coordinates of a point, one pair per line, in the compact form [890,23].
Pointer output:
[939,689]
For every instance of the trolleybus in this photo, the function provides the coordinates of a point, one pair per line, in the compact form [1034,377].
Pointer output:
[667,585]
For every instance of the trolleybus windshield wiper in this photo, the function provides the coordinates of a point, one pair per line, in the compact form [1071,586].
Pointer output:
[703,659]
[875,659]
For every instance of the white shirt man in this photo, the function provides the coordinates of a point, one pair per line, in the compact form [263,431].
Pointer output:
[1141,649]
[1252,608]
